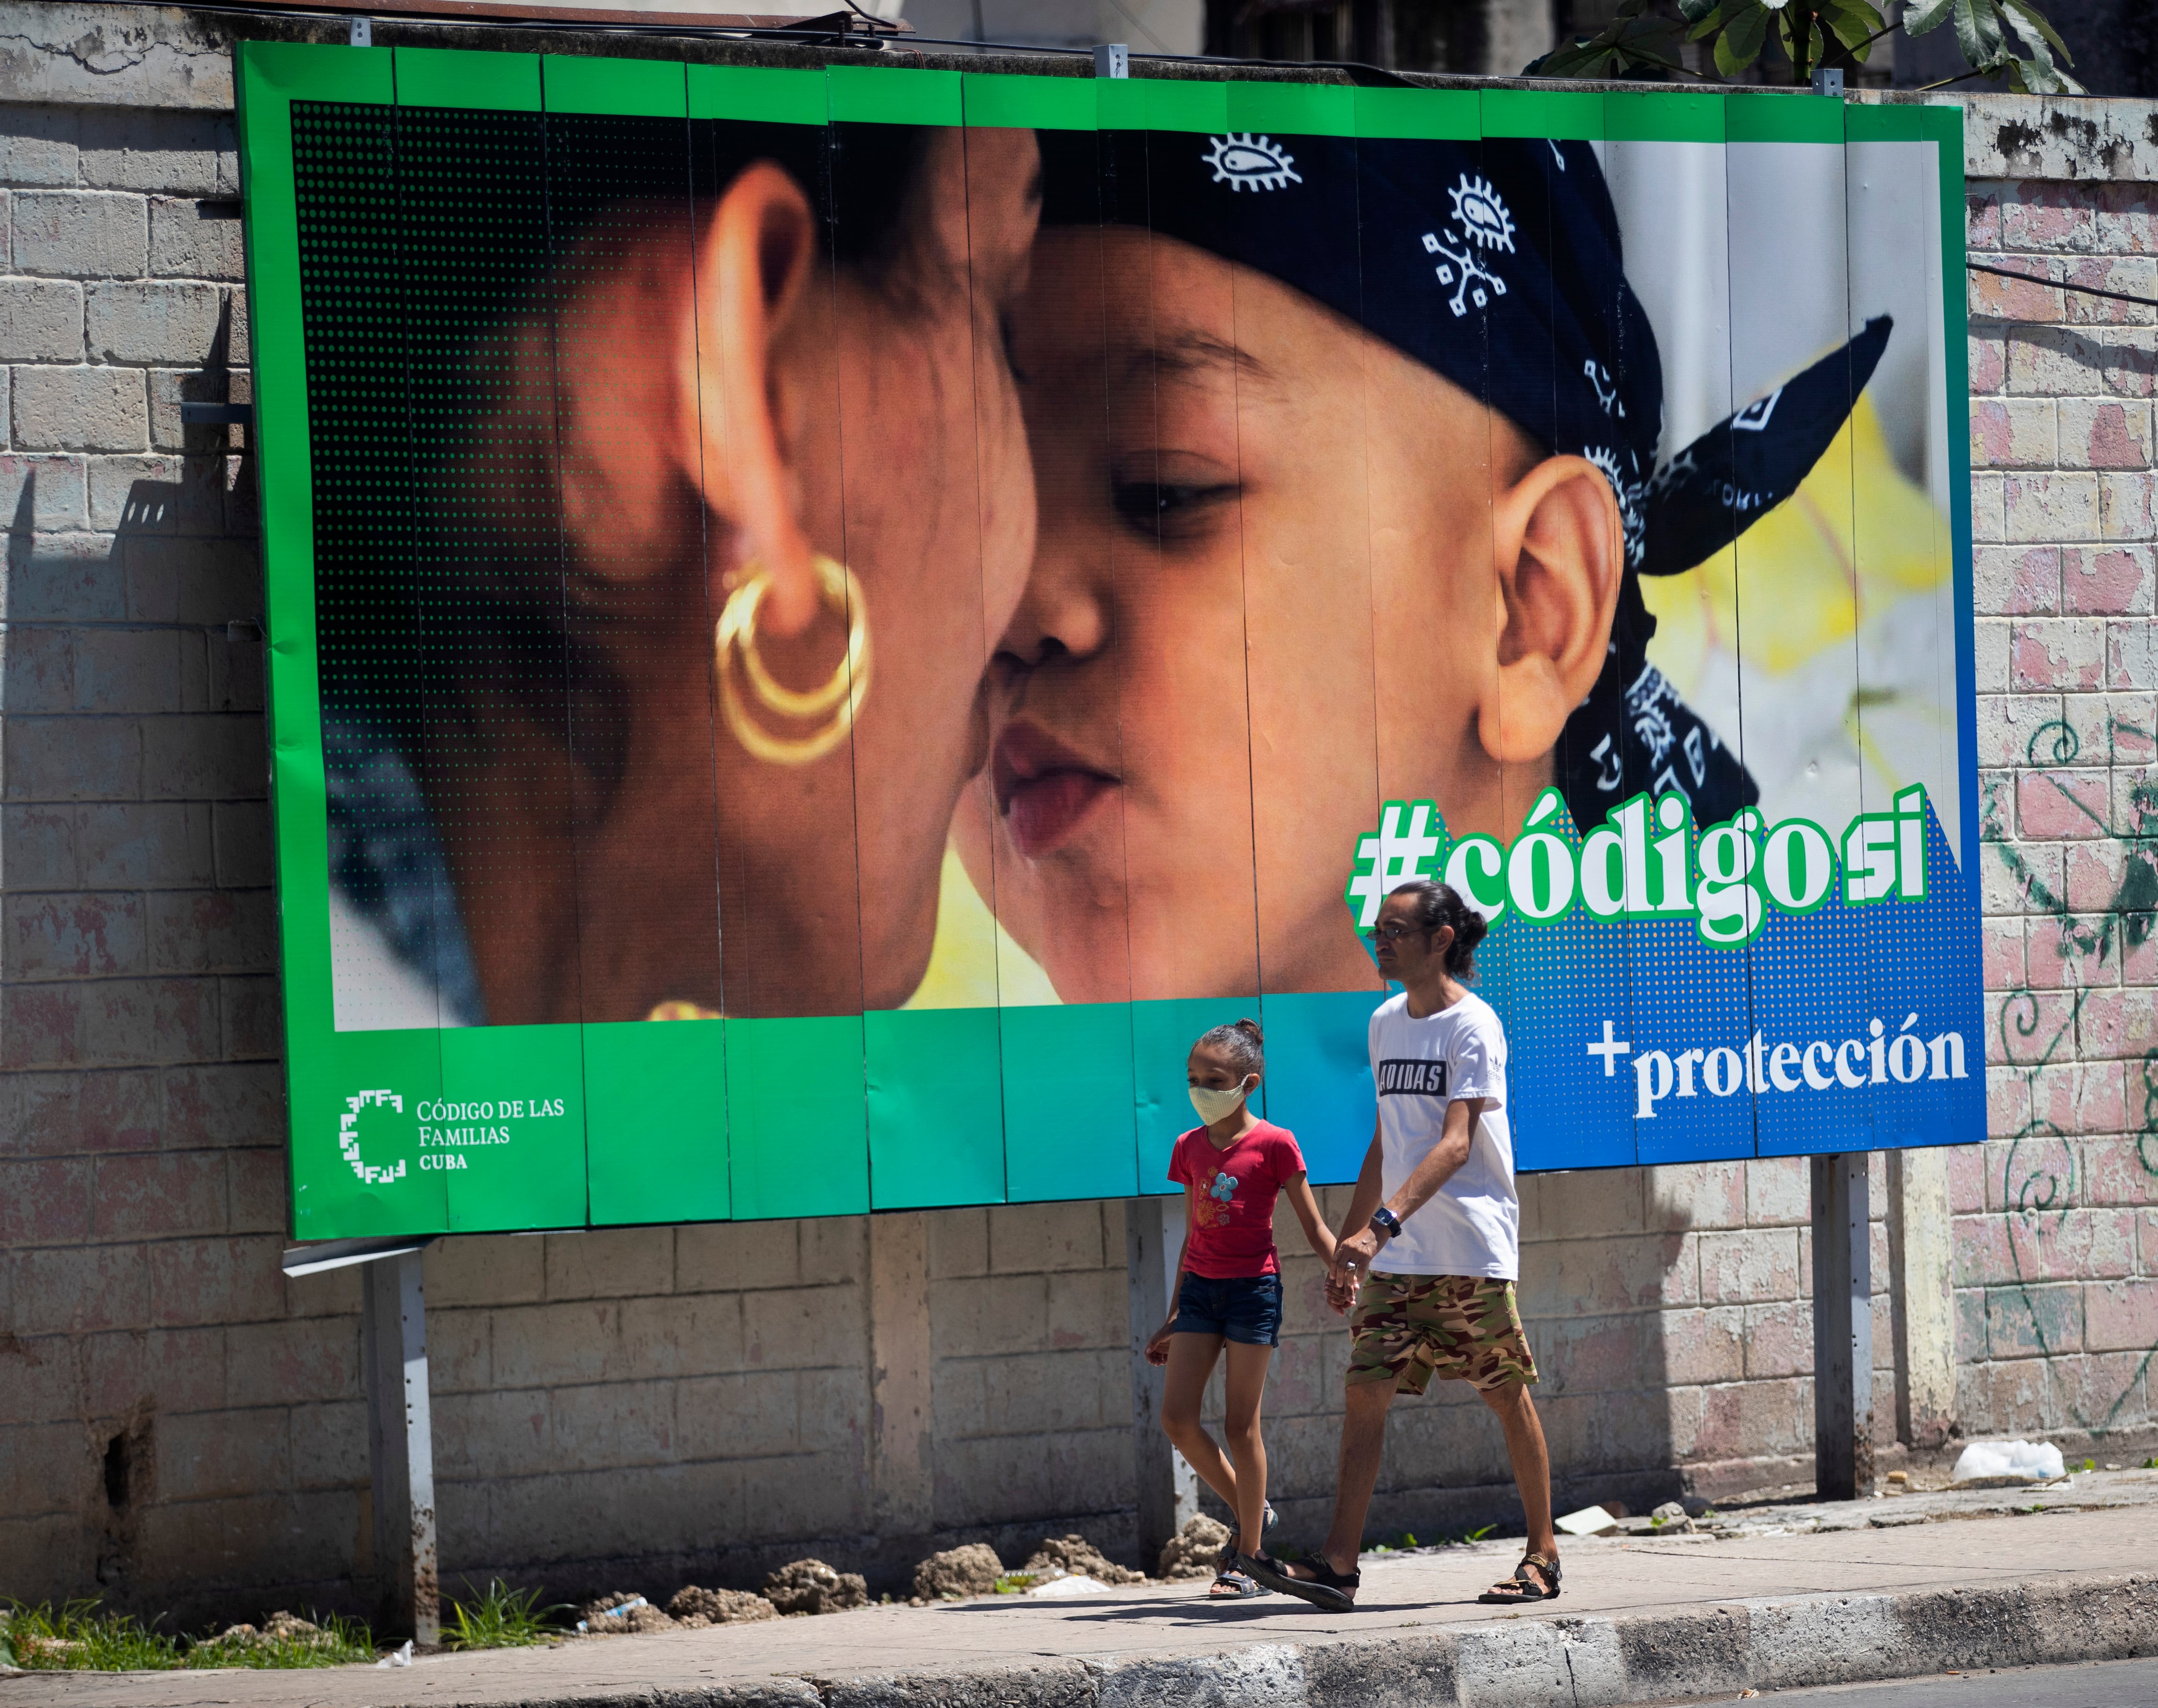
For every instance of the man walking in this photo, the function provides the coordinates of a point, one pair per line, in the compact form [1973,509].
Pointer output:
[1432,1239]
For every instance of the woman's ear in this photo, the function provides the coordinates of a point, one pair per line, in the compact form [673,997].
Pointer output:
[755,258]
[1559,552]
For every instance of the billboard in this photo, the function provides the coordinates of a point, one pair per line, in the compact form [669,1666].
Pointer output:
[824,623]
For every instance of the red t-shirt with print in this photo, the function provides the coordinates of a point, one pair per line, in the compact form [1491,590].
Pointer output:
[1232,1218]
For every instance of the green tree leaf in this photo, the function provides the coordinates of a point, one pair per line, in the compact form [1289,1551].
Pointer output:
[1923,15]
[1740,43]
[1978,32]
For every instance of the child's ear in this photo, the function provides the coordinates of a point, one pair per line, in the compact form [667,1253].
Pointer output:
[1559,552]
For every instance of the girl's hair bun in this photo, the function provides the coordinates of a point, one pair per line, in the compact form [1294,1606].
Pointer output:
[1242,1043]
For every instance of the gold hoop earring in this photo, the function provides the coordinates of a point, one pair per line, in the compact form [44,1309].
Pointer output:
[840,696]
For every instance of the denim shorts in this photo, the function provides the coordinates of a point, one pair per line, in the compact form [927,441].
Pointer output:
[1248,1309]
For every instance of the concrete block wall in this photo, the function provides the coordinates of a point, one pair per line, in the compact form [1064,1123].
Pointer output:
[2057,1214]
[180,1428]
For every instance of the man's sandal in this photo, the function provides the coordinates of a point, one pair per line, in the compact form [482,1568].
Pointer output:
[1231,1585]
[1333,1590]
[1525,1585]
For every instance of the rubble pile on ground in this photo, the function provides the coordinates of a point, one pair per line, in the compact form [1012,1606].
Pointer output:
[958,1573]
[695,1608]
[281,1627]
[1074,1556]
[811,1586]
[1192,1551]
[622,1612]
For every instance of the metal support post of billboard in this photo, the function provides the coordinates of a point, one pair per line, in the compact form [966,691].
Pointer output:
[400,1447]
[1167,1487]
[1843,1329]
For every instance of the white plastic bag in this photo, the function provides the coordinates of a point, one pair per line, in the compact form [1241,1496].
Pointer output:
[2027,1461]
[397,1657]
[1058,1589]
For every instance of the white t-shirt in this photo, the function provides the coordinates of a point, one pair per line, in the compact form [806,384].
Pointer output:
[1473,1224]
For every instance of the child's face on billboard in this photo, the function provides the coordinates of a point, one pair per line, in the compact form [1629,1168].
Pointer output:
[1284,572]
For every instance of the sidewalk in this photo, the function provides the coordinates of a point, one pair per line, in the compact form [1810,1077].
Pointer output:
[1803,1595]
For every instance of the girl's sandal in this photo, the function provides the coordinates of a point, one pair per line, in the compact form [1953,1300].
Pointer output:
[1524,1585]
[1231,1585]
[1327,1588]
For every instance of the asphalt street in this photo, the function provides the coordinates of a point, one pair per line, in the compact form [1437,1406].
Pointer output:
[2104,1684]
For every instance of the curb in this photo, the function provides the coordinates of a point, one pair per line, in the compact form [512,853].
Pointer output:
[1779,1643]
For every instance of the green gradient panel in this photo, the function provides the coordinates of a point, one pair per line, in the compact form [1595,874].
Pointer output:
[1436,115]
[770,96]
[1680,115]
[798,1132]
[1863,122]
[1068,1108]
[1295,109]
[503,83]
[1783,118]
[1161,104]
[657,1134]
[1318,1077]
[1163,1034]
[532,1078]
[1560,114]
[869,95]
[936,1107]
[636,88]
[338,1129]
[1029,103]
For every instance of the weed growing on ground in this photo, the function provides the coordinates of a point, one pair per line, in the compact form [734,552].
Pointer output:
[1015,1583]
[502,1617]
[76,1638]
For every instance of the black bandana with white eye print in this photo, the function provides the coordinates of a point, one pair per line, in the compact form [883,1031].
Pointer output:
[1497,263]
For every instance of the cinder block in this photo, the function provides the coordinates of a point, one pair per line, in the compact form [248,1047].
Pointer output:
[1987,354]
[154,148]
[753,1415]
[2006,432]
[2111,581]
[256,1191]
[41,320]
[2062,805]
[959,1243]
[80,234]
[330,1446]
[1033,1238]
[39,1115]
[2133,275]
[1047,1392]
[2121,218]
[1981,216]
[2032,297]
[2105,433]
[191,581]
[126,670]
[205,756]
[76,1289]
[2107,1390]
[240,840]
[39,145]
[491,1435]
[2117,1023]
[1090,1308]
[165,1369]
[2052,506]
[2121,1316]
[148,845]
[156,1197]
[37,847]
[534,1346]
[2124,502]
[2002,953]
[195,239]
[2001,1399]
[2033,1321]
[1754,1265]
[45,1203]
[281,1363]
[79,935]
[804,1328]
[834,1250]
[45,1468]
[1583,1206]
[206,1281]
[2011,581]
[80,409]
[154,321]
[43,493]
[614,1424]
[610,1263]
[1988,519]
[40,676]
[727,1256]
[2047,218]
[72,759]
[1591,1277]
[207,1454]
[975,1317]
[66,578]
[486,1269]
[252,1021]
[117,1110]
[2131,660]
[212,930]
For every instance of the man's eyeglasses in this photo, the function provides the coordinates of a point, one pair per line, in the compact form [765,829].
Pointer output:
[1395,933]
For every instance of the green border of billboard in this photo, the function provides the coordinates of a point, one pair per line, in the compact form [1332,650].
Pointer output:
[704,1119]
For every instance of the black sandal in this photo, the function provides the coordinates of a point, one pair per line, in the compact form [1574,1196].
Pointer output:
[1231,1585]
[1326,1588]
[1522,1586]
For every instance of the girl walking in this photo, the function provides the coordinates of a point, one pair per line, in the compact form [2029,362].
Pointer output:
[1228,1282]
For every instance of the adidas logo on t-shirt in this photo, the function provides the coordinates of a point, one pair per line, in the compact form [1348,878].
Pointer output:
[1412,1079]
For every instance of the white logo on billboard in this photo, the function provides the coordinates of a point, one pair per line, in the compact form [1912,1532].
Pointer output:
[370,1173]
[1485,224]
[1249,163]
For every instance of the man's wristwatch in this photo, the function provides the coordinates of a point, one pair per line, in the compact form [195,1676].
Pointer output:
[1386,1222]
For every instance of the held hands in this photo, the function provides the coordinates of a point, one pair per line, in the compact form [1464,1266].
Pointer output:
[1157,1348]
[1352,1260]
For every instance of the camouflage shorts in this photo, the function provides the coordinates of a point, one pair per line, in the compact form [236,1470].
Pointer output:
[1459,1328]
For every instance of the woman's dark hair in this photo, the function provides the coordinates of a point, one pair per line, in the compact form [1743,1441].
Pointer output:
[1243,1044]
[1439,904]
